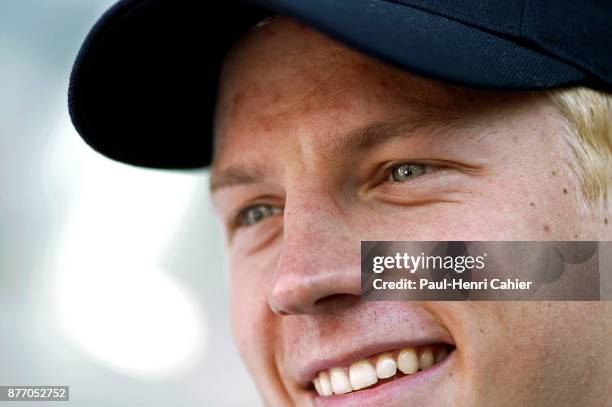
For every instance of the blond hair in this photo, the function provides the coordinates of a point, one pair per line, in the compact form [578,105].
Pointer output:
[588,115]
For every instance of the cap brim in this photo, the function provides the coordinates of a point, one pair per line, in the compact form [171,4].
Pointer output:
[144,85]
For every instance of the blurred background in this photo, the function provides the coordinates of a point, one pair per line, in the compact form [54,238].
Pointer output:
[112,278]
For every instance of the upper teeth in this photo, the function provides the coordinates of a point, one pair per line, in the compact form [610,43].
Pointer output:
[366,372]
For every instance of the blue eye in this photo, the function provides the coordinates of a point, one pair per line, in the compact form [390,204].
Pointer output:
[256,213]
[406,171]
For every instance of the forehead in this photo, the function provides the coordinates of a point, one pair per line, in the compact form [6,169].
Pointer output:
[286,83]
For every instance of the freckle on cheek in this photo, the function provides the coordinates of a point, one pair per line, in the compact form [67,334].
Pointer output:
[565,190]
[385,85]
[605,221]
[546,228]
[554,173]
[307,108]
[237,102]
[531,204]
[266,125]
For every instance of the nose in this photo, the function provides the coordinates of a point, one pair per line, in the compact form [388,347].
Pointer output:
[319,266]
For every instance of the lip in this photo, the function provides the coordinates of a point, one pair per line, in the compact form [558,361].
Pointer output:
[393,391]
[306,375]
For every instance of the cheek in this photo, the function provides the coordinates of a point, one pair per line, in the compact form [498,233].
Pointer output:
[532,341]
[489,213]
[251,318]
[243,312]
[488,335]
[462,221]
[528,212]
[494,206]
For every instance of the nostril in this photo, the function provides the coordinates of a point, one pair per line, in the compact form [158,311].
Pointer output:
[336,300]
[297,290]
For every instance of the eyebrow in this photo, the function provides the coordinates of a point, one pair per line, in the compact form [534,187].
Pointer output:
[236,175]
[374,134]
[355,141]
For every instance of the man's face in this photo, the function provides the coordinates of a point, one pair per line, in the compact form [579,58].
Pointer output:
[320,147]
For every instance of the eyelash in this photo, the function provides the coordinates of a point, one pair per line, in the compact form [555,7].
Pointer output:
[387,172]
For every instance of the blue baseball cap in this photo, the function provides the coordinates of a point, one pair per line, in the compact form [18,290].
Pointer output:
[144,84]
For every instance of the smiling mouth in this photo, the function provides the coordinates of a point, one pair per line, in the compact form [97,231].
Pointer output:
[378,369]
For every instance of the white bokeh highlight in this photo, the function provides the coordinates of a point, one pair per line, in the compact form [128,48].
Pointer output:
[114,299]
